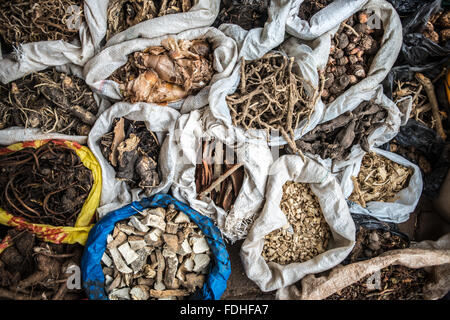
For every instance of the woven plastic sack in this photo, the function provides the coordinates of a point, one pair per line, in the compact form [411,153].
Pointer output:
[99,68]
[202,14]
[159,119]
[323,21]
[37,56]
[271,276]
[397,211]
[91,270]
[434,256]
[59,234]
[257,158]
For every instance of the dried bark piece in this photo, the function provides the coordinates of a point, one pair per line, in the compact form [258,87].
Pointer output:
[168,293]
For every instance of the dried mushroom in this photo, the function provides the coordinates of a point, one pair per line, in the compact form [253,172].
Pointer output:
[48,100]
[353,49]
[379,179]
[123,14]
[133,151]
[217,176]
[334,139]
[166,73]
[156,254]
[307,234]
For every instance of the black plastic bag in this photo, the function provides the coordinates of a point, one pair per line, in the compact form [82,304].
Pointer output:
[406,7]
[417,50]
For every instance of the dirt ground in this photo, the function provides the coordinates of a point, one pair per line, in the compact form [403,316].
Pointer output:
[424,224]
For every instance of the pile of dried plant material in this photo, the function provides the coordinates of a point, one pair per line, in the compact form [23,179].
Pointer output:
[397,283]
[156,254]
[379,179]
[437,28]
[425,106]
[412,154]
[271,96]
[166,73]
[371,243]
[217,176]
[334,139]
[133,151]
[50,101]
[308,8]
[353,49]
[25,21]
[47,185]
[308,233]
[123,14]
[248,14]
[31,269]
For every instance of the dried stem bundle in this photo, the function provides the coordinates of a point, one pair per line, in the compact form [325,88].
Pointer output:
[31,269]
[335,139]
[218,176]
[308,234]
[123,14]
[133,151]
[47,185]
[50,101]
[271,96]
[379,179]
[24,21]
[156,254]
[166,73]
[397,283]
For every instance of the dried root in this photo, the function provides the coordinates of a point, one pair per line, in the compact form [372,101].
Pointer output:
[133,151]
[335,139]
[50,101]
[309,8]
[123,14]
[272,97]
[308,233]
[166,73]
[248,14]
[24,21]
[156,254]
[437,29]
[47,185]
[379,179]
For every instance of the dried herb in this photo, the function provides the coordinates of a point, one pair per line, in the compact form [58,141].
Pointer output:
[133,151]
[166,73]
[24,21]
[271,96]
[217,176]
[158,253]
[307,234]
[248,14]
[31,269]
[309,8]
[334,139]
[371,243]
[123,14]
[47,185]
[379,179]
[50,101]
[437,29]
[397,283]
[353,49]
